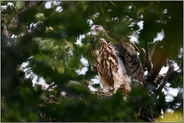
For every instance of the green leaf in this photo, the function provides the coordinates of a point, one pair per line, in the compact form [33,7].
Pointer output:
[84,5]
[40,16]
[40,57]
[176,116]
[60,67]
[20,4]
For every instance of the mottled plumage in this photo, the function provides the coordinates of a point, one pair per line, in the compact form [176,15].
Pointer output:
[116,64]
[128,53]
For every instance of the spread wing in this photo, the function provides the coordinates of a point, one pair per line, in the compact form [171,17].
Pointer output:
[128,53]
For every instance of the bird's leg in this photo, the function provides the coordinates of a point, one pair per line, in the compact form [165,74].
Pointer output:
[123,88]
[122,84]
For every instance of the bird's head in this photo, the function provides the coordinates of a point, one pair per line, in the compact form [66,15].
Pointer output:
[98,30]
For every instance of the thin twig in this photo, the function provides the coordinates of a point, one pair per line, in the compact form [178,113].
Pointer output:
[15,23]
[113,3]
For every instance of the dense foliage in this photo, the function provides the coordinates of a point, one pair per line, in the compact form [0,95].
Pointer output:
[47,35]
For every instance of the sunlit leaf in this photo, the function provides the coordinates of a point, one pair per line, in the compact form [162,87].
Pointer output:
[40,57]
[40,16]
[171,117]
[60,67]
[20,4]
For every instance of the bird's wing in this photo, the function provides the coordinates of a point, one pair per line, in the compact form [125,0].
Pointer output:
[128,53]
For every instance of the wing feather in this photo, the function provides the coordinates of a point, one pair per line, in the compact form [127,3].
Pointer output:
[128,53]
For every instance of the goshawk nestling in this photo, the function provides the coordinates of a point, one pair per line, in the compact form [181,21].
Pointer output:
[117,65]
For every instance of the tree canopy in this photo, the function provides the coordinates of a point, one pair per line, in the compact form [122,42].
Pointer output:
[52,37]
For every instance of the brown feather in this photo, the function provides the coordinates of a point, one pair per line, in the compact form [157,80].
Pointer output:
[129,55]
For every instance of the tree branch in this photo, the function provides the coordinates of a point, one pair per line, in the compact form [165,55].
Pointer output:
[159,62]
[164,80]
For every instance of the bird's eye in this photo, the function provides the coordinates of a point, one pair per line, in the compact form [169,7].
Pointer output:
[96,29]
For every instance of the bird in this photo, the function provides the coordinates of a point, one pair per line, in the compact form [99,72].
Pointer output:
[118,64]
